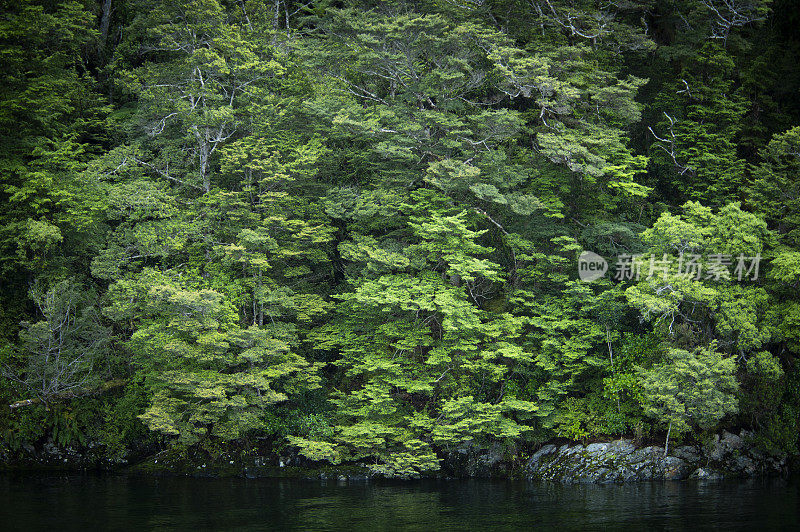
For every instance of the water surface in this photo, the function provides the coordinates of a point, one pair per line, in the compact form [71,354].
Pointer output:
[135,503]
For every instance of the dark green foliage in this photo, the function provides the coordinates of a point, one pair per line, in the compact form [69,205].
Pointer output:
[65,351]
[352,230]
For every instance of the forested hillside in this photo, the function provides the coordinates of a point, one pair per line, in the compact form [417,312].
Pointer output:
[352,229]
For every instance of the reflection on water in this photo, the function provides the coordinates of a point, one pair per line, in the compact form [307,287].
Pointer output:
[122,503]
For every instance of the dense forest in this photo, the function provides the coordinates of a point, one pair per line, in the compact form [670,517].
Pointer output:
[352,229]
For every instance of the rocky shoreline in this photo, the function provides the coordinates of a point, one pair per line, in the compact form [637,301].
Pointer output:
[727,455]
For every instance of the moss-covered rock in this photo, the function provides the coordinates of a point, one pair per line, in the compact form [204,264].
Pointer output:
[726,456]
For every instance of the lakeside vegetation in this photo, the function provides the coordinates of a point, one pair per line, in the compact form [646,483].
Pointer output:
[352,229]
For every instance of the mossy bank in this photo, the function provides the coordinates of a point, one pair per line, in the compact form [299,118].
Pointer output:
[724,455]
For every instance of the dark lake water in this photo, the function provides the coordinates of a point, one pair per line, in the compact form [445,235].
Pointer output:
[127,503]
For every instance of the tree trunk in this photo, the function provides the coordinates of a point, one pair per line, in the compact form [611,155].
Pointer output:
[71,394]
[105,22]
[666,442]
[204,164]
[260,301]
